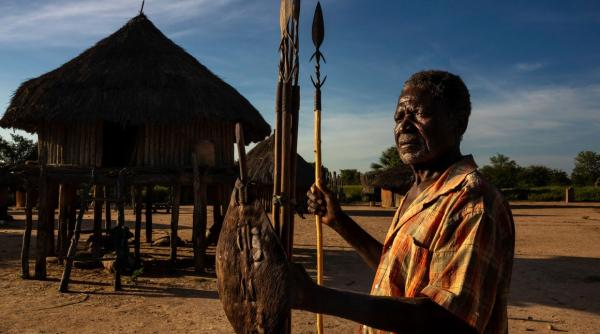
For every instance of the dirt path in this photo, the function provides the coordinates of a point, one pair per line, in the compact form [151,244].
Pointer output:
[556,280]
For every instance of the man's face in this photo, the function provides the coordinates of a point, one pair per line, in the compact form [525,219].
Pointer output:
[424,130]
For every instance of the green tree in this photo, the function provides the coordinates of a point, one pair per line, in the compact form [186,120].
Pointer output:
[540,176]
[587,168]
[502,172]
[389,158]
[350,176]
[18,150]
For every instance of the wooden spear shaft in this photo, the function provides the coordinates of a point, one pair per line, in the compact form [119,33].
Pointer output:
[318,34]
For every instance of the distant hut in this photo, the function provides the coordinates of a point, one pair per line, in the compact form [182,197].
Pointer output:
[371,192]
[260,170]
[135,100]
[394,182]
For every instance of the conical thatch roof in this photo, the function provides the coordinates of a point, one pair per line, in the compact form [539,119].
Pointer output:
[399,179]
[260,165]
[135,75]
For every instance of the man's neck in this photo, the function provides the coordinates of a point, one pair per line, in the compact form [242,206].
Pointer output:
[427,173]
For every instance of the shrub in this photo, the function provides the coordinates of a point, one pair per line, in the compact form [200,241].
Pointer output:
[587,194]
[352,193]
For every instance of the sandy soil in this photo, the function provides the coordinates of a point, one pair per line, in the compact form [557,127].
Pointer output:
[555,288]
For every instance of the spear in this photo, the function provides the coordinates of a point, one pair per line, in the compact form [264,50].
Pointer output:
[318,34]
[284,14]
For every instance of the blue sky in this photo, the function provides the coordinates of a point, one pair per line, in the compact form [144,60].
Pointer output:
[533,67]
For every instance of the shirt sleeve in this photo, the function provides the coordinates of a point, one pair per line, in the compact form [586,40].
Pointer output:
[467,267]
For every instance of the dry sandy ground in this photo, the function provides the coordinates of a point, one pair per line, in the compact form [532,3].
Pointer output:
[556,280]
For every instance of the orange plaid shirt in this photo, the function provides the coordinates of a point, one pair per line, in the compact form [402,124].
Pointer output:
[455,245]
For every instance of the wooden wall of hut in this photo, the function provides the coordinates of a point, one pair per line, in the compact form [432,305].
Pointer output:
[77,144]
[156,144]
[163,145]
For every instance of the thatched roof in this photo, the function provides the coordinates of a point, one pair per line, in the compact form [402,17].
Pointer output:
[133,76]
[260,165]
[399,179]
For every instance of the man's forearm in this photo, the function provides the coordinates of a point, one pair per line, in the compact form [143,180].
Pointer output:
[401,315]
[366,246]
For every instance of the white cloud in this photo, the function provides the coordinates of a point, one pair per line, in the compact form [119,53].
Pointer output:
[529,67]
[70,22]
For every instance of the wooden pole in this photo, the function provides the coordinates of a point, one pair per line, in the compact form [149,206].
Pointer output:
[27,233]
[120,261]
[63,225]
[138,225]
[64,282]
[107,216]
[175,199]
[43,220]
[149,194]
[97,236]
[199,217]
[318,33]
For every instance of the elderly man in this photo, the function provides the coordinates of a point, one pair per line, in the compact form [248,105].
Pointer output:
[446,262]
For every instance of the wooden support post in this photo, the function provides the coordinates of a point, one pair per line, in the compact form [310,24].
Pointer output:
[27,233]
[63,226]
[199,216]
[175,199]
[52,201]
[64,281]
[97,236]
[149,194]
[107,217]
[120,225]
[138,224]
[42,227]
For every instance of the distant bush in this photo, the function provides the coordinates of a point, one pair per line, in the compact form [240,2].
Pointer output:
[587,194]
[551,194]
[352,193]
[541,194]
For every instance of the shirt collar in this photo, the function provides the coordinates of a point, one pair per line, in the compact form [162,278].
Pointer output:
[452,178]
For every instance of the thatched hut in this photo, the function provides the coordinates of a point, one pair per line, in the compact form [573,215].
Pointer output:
[135,100]
[394,182]
[260,171]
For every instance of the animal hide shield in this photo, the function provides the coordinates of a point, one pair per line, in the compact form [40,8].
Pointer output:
[252,268]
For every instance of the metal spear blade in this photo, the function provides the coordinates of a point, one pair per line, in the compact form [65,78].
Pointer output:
[318,28]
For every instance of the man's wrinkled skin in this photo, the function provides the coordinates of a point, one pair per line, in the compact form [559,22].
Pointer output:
[428,139]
